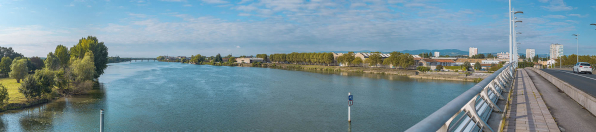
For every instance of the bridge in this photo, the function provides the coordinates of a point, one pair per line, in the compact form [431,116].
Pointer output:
[516,99]
[139,59]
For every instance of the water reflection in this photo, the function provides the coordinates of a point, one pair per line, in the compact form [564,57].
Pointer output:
[43,117]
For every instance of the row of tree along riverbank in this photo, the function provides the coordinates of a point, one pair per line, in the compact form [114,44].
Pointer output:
[62,73]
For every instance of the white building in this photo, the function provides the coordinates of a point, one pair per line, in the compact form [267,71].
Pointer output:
[490,62]
[556,50]
[436,54]
[503,55]
[530,53]
[473,51]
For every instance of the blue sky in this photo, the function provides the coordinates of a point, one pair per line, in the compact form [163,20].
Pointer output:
[148,28]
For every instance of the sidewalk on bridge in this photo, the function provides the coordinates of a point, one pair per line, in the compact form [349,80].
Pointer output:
[528,111]
[568,114]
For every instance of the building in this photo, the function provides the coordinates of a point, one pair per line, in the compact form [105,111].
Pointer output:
[432,63]
[473,51]
[556,50]
[503,55]
[490,62]
[249,60]
[460,62]
[530,53]
[436,54]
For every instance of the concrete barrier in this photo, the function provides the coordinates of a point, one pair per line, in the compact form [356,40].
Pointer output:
[581,97]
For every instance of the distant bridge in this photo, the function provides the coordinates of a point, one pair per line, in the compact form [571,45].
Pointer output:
[139,59]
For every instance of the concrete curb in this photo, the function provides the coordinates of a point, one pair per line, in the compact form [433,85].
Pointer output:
[581,97]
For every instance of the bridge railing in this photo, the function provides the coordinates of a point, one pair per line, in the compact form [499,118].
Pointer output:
[470,110]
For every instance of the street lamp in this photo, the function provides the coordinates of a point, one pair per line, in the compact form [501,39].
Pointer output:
[593,24]
[577,38]
[514,54]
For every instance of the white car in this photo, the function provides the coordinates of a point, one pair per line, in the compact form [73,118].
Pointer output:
[582,67]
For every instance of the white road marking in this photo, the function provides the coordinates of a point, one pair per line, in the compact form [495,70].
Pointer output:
[576,74]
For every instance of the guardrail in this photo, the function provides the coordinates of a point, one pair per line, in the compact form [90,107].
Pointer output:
[470,110]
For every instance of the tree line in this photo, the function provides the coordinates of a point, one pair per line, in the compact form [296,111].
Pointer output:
[63,72]
[325,58]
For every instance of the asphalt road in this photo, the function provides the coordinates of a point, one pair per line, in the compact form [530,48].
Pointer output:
[584,82]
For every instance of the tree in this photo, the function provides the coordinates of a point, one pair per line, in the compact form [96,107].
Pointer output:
[3,94]
[45,80]
[490,55]
[160,58]
[37,62]
[218,58]
[264,56]
[99,50]
[393,59]
[535,58]
[346,58]
[467,65]
[374,59]
[439,67]
[357,61]
[84,69]
[406,60]
[52,62]
[197,59]
[232,59]
[477,66]
[5,65]
[19,69]
[62,54]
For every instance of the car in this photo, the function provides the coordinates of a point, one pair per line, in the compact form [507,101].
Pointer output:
[582,67]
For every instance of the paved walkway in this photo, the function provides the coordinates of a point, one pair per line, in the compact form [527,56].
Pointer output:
[568,114]
[528,111]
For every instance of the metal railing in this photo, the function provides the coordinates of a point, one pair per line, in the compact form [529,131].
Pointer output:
[470,110]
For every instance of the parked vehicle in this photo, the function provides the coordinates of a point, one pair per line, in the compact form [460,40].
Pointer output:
[582,67]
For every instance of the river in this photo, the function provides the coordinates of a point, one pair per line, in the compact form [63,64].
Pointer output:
[161,96]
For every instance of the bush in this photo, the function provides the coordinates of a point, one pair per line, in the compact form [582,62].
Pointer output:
[3,94]
[439,67]
[453,67]
[423,69]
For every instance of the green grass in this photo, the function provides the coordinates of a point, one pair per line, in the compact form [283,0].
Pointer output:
[13,90]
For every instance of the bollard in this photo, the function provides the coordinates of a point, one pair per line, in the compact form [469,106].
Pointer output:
[349,105]
[101,120]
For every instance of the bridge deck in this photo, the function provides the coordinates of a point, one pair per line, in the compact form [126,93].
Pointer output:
[528,111]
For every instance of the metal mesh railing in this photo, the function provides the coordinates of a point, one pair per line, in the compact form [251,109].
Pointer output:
[471,110]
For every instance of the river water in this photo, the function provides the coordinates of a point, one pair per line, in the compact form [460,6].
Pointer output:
[161,96]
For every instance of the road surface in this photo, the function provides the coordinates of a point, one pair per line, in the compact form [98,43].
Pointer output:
[584,82]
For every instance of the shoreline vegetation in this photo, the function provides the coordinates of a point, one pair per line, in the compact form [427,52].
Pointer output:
[28,82]
[329,63]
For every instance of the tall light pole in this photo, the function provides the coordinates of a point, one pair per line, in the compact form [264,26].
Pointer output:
[577,38]
[510,34]
[513,53]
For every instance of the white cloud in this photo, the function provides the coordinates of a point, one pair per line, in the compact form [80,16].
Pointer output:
[543,1]
[244,1]
[555,16]
[238,47]
[187,5]
[137,15]
[557,5]
[174,0]
[215,1]
[579,15]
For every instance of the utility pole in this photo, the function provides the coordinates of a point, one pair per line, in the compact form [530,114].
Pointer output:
[510,34]
[577,38]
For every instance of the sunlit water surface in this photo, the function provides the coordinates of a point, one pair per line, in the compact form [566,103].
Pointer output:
[159,96]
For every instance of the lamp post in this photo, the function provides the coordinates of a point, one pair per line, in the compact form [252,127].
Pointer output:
[577,38]
[510,34]
[514,54]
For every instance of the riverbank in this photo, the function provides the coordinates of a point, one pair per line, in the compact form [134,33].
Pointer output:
[17,100]
[451,76]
